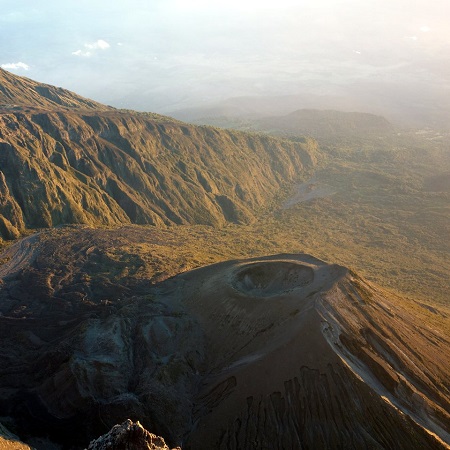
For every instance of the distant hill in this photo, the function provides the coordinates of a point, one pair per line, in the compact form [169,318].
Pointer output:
[319,124]
[95,165]
[395,104]
[253,107]
[327,123]
[439,183]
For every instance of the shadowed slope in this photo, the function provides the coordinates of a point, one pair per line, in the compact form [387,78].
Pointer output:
[325,361]
[283,351]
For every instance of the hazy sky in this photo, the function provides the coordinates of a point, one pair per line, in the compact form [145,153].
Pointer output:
[162,55]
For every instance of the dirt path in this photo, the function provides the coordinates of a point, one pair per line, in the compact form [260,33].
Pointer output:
[308,191]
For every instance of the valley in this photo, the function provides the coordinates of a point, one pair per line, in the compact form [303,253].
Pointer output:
[378,200]
[279,284]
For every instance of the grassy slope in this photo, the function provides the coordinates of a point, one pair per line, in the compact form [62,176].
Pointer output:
[117,168]
[389,217]
[382,221]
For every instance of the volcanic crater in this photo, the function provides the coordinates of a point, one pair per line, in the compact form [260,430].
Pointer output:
[269,279]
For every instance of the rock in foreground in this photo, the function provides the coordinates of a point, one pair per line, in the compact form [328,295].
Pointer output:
[129,436]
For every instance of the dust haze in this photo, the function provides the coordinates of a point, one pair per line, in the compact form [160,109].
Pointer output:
[384,57]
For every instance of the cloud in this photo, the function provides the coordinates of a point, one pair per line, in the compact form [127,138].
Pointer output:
[90,47]
[100,44]
[82,53]
[15,66]
[425,29]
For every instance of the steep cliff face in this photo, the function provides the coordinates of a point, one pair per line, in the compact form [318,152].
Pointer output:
[275,352]
[11,218]
[121,168]
[95,166]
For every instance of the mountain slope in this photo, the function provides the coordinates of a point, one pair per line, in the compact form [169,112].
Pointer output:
[112,167]
[18,92]
[8,441]
[283,351]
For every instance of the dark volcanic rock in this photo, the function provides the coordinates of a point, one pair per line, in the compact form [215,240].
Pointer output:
[276,352]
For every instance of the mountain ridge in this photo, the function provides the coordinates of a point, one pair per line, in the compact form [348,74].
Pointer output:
[110,167]
[20,92]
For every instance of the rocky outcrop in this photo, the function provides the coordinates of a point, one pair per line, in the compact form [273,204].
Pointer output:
[109,167]
[129,436]
[283,351]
